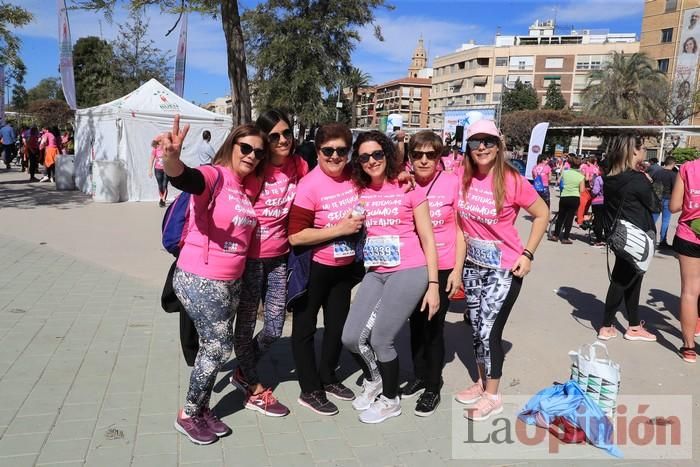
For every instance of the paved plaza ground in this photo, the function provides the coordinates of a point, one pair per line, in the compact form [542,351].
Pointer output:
[91,371]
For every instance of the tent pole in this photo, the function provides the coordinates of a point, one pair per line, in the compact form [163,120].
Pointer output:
[580,143]
[663,142]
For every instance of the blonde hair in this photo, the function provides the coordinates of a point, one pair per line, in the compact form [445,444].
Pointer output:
[501,170]
[621,152]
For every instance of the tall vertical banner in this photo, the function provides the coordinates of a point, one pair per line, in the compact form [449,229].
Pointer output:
[65,48]
[535,149]
[2,93]
[685,74]
[181,58]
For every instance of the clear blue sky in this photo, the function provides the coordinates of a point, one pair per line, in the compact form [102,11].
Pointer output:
[444,25]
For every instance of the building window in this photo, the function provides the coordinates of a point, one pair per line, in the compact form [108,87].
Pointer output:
[580,81]
[415,119]
[480,98]
[496,97]
[667,35]
[499,79]
[557,63]
[552,79]
[662,65]
[671,5]
[501,61]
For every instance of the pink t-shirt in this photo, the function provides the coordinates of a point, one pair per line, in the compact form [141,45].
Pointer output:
[274,194]
[690,174]
[543,171]
[229,226]
[443,199]
[392,243]
[450,163]
[330,199]
[590,171]
[492,239]
[157,153]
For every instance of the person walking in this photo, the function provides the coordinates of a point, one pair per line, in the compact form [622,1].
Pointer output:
[399,252]
[492,193]
[427,334]
[207,279]
[574,184]
[155,166]
[32,145]
[598,207]
[9,140]
[541,174]
[663,180]
[628,196]
[686,200]
[50,144]
[206,151]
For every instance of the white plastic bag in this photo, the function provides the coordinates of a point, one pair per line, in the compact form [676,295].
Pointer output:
[598,377]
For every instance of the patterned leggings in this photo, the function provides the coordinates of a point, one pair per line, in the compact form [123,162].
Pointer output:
[263,277]
[491,294]
[211,304]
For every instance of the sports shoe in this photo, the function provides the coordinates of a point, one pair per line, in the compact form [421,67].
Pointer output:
[688,354]
[44,179]
[553,238]
[412,388]
[266,403]
[339,391]
[318,402]
[471,394]
[427,403]
[381,409]
[196,429]
[565,241]
[33,179]
[370,391]
[606,333]
[215,425]
[484,408]
[697,328]
[639,334]
[161,203]
[239,381]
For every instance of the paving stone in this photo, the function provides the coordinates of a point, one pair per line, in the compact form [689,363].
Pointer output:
[338,463]
[19,461]
[109,457]
[82,429]
[191,453]
[64,451]
[31,424]
[359,436]
[73,412]
[161,443]
[321,429]
[159,423]
[330,449]
[274,425]
[406,442]
[120,400]
[249,456]
[285,443]
[375,455]
[243,436]
[300,459]
[17,445]
[160,460]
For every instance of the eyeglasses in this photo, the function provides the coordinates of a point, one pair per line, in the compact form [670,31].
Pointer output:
[328,151]
[488,143]
[274,138]
[376,155]
[418,155]
[247,149]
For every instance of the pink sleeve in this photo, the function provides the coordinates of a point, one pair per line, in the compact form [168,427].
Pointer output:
[305,197]
[525,192]
[210,174]
[416,198]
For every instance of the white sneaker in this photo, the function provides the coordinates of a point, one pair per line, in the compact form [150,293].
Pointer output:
[370,391]
[381,409]
[44,179]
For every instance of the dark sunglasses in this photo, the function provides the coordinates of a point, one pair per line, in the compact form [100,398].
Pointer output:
[274,138]
[247,149]
[328,151]
[376,155]
[489,143]
[418,155]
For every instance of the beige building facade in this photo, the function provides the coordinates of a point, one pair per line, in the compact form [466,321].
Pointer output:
[476,75]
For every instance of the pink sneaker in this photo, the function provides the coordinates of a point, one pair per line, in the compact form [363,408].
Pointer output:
[266,403]
[688,354]
[471,394]
[697,328]
[484,408]
[606,333]
[196,429]
[639,334]
[215,425]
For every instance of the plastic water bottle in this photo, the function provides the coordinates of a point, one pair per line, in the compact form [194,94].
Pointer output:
[359,209]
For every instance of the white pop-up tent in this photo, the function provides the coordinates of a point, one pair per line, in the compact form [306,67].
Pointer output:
[124,128]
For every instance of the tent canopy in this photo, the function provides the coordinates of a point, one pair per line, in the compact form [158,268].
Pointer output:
[124,128]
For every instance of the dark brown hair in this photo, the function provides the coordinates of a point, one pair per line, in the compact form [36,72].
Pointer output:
[423,138]
[333,131]
[574,161]
[392,170]
[223,155]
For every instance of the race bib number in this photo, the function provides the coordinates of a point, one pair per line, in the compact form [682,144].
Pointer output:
[384,251]
[343,249]
[484,253]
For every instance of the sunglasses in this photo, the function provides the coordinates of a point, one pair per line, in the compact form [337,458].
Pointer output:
[418,155]
[376,155]
[247,149]
[274,138]
[328,151]
[488,143]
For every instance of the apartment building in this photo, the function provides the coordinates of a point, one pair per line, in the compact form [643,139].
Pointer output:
[220,105]
[476,75]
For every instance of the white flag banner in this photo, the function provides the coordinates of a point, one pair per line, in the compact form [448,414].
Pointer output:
[181,58]
[2,93]
[536,146]
[65,48]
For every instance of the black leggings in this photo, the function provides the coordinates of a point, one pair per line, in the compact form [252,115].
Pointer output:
[598,216]
[427,339]
[568,206]
[51,171]
[626,285]
[329,287]
[162,180]
[33,161]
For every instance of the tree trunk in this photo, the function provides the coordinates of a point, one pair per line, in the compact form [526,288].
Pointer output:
[353,109]
[237,72]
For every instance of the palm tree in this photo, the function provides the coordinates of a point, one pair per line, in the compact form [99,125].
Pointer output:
[625,88]
[355,80]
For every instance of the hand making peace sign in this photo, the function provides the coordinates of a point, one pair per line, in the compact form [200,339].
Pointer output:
[171,142]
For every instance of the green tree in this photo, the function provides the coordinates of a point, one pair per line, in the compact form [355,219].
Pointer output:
[49,112]
[47,88]
[96,80]
[11,18]
[355,80]
[300,50]
[554,99]
[136,57]
[685,154]
[627,87]
[522,96]
[19,92]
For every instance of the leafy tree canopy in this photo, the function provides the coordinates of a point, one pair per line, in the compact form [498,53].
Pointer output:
[522,96]
[47,88]
[96,78]
[49,112]
[554,99]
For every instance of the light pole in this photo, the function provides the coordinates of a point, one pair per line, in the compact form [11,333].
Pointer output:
[338,104]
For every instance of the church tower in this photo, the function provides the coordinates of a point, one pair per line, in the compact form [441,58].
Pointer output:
[419,60]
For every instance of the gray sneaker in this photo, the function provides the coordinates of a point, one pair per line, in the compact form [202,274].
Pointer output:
[370,391]
[381,409]
[318,402]
[339,391]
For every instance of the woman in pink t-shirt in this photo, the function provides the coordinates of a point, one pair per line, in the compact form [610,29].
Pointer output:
[441,188]
[155,165]
[492,194]
[210,265]
[272,195]
[399,252]
[686,199]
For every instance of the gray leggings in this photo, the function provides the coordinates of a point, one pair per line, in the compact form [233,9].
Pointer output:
[382,305]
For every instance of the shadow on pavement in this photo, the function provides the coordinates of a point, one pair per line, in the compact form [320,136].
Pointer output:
[24,195]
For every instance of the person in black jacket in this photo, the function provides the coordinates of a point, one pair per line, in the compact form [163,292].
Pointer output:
[629,192]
